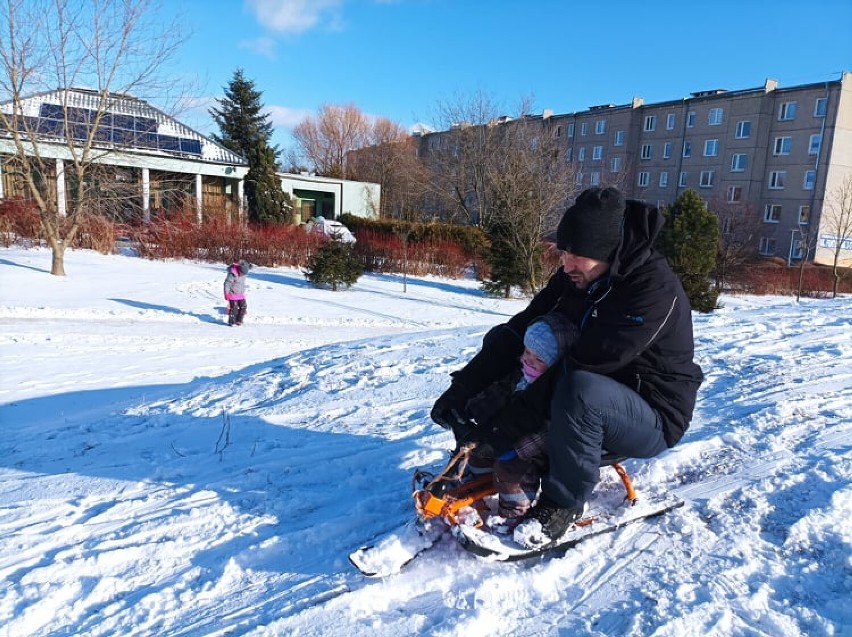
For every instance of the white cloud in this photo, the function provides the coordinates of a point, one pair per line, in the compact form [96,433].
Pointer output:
[294,16]
[285,117]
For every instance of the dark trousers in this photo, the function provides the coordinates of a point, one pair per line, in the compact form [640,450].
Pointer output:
[236,312]
[589,413]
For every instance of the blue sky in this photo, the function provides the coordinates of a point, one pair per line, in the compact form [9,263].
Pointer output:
[401,58]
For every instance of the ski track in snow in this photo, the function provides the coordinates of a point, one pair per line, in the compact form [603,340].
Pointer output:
[227,503]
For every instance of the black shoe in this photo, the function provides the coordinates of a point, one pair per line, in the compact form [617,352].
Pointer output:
[545,523]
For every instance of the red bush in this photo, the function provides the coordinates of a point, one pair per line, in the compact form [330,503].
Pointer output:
[19,221]
[777,278]
[381,252]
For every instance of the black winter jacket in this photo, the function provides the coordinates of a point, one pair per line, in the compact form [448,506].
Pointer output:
[635,327]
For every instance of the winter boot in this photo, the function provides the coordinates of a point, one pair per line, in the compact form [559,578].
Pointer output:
[545,523]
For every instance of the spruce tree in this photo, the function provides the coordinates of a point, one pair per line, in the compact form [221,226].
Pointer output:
[246,130]
[507,263]
[334,264]
[690,240]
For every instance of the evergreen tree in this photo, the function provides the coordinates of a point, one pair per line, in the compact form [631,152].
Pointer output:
[335,264]
[509,267]
[246,130]
[689,241]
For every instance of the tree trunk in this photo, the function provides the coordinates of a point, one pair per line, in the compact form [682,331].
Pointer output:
[57,246]
[57,265]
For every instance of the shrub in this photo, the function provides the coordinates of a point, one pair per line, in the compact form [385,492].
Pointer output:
[335,264]
[19,221]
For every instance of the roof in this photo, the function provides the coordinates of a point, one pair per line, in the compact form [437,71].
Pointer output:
[126,122]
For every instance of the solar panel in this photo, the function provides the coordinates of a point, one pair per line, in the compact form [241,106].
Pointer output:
[116,128]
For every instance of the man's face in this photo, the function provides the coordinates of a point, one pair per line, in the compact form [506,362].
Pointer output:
[583,270]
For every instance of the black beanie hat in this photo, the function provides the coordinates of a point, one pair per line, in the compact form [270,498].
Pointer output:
[244,267]
[592,226]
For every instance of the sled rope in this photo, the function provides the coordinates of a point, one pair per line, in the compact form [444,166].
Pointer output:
[459,460]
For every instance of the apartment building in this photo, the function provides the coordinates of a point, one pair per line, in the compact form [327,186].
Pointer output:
[777,154]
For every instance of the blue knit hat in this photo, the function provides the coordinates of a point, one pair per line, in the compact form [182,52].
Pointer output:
[540,339]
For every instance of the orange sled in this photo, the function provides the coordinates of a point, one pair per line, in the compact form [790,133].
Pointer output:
[442,495]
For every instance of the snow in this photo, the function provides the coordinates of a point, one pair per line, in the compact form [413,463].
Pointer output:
[164,474]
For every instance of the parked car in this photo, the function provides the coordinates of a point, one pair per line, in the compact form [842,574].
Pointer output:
[330,228]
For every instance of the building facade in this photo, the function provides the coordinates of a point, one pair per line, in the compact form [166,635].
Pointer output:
[314,196]
[151,160]
[147,162]
[778,155]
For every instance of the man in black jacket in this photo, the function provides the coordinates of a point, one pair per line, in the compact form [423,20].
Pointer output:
[627,386]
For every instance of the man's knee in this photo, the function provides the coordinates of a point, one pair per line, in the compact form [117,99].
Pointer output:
[573,392]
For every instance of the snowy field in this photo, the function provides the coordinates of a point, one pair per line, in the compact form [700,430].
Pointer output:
[162,474]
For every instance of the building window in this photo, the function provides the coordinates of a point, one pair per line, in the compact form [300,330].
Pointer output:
[772,213]
[814,144]
[787,111]
[645,153]
[619,138]
[600,127]
[581,154]
[810,180]
[767,246]
[664,179]
[820,107]
[584,129]
[739,162]
[715,116]
[571,129]
[777,179]
[735,194]
[557,131]
[597,153]
[650,123]
[798,249]
[667,150]
[644,179]
[595,178]
[804,215]
[690,119]
[670,121]
[615,165]
[706,179]
[783,146]
[711,147]
[687,148]
[681,180]
[579,179]
[569,154]
[743,129]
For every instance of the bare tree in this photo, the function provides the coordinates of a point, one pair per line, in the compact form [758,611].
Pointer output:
[738,227]
[805,241]
[390,160]
[527,185]
[325,140]
[111,46]
[837,221]
[459,158]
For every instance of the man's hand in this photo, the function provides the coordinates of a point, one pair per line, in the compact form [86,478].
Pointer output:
[448,410]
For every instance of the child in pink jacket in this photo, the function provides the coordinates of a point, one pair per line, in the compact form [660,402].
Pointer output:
[235,291]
